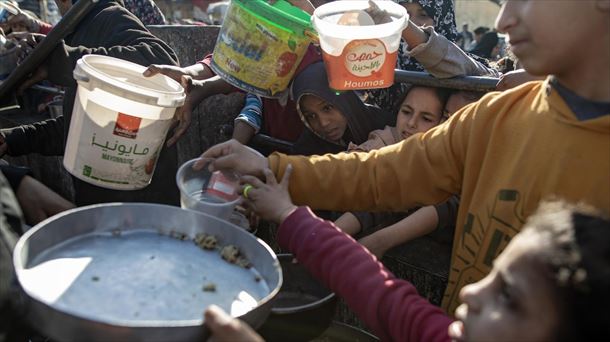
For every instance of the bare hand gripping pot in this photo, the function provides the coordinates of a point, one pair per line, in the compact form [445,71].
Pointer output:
[119,122]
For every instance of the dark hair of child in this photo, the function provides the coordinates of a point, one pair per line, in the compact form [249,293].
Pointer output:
[579,263]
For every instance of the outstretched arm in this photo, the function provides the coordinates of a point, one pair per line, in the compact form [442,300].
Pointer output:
[390,306]
[420,223]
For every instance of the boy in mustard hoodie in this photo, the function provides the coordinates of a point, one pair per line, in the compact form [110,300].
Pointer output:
[503,154]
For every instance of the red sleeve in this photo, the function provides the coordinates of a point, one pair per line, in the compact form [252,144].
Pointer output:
[45,28]
[389,306]
[207,60]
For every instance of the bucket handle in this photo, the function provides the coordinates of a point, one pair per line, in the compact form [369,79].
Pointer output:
[313,36]
[80,77]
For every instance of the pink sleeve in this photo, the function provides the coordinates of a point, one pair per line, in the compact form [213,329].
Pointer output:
[389,306]
[207,60]
[45,28]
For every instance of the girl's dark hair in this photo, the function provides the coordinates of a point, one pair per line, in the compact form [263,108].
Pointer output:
[579,264]
[442,94]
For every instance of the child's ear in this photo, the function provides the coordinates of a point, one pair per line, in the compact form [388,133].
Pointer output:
[603,5]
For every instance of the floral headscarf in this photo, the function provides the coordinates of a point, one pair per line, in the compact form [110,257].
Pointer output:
[444,23]
[146,10]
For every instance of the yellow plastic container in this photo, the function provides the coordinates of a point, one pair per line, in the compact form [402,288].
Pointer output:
[260,45]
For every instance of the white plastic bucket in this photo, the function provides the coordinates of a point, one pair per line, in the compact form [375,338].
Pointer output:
[119,122]
[359,57]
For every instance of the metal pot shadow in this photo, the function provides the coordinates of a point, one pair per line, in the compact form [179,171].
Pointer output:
[302,310]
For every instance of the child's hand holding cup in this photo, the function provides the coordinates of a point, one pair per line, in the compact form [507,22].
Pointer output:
[270,200]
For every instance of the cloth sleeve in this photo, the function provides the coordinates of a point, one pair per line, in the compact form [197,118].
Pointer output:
[252,113]
[447,213]
[391,307]
[375,142]
[14,175]
[443,59]
[44,137]
[44,28]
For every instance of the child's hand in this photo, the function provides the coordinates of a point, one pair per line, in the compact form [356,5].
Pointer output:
[378,15]
[271,201]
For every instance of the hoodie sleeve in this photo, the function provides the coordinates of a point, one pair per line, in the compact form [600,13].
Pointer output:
[390,306]
[444,59]
[44,137]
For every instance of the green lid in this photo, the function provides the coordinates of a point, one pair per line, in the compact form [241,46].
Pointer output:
[282,13]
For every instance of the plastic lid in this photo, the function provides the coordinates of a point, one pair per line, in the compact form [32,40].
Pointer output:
[282,13]
[125,79]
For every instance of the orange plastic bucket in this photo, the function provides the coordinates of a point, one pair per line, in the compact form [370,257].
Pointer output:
[359,57]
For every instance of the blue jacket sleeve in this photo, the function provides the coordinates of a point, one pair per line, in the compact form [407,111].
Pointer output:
[252,113]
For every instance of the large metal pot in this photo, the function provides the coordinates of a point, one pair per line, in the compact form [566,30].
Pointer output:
[302,310]
[127,272]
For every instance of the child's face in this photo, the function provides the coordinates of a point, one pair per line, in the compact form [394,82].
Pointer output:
[324,118]
[420,111]
[550,37]
[515,302]
[418,14]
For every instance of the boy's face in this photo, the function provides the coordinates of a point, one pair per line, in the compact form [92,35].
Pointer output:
[550,37]
[515,302]
[324,119]
[420,111]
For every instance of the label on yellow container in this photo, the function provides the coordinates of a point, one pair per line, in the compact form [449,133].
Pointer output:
[255,55]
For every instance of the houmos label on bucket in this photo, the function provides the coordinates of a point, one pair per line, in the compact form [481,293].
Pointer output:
[256,55]
[363,64]
[121,153]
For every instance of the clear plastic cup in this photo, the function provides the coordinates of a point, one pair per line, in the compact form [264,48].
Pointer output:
[211,193]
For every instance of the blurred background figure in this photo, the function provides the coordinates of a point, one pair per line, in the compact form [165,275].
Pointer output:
[478,35]
[216,12]
[487,46]
[465,37]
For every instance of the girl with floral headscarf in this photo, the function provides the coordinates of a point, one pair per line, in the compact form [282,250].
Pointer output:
[428,44]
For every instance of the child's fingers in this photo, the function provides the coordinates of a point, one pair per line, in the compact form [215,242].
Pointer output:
[286,178]
[254,181]
[269,177]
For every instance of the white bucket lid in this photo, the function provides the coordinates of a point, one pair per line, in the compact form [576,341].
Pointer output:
[328,28]
[125,79]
